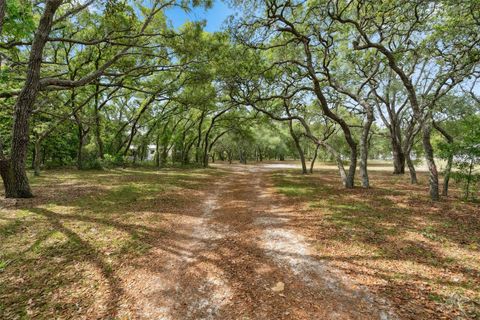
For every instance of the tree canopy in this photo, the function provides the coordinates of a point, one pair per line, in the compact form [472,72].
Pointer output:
[97,84]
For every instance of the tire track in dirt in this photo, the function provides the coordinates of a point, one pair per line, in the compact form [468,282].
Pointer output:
[203,290]
[158,284]
[290,250]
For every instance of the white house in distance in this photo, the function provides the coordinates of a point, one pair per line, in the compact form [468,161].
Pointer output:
[151,149]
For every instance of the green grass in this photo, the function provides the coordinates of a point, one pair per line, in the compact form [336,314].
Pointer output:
[291,186]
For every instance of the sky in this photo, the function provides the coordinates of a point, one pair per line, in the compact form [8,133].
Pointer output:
[214,16]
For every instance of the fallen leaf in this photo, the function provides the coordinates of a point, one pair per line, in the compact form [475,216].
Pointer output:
[279,287]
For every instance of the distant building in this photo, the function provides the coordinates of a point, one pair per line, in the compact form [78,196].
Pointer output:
[150,152]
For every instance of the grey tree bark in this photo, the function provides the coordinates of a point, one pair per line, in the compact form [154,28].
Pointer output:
[14,173]
[364,147]
[296,141]
[315,155]
[411,169]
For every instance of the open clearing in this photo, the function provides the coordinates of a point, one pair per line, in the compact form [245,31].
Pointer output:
[235,242]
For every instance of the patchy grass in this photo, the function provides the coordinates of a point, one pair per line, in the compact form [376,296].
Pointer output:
[423,255]
[60,251]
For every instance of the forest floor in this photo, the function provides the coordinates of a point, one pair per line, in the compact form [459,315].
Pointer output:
[236,242]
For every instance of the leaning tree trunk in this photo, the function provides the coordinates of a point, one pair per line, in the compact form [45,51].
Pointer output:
[13,170]
[314,158]
[186,152]
[347,178]
[411,168]
[20,139]
[299,147]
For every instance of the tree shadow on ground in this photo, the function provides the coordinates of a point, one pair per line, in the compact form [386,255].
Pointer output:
[418,252]
[60,251]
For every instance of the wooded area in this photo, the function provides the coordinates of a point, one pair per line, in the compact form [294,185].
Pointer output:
[100,84]
[90,87]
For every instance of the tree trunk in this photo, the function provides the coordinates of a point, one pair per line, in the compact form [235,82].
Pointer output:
[448,169]
[98,128]
[347,178]
[432,167]
[350,179]
[411,169]
[298,146]
[205,151]
[14,174]
[3,6]
[164,156]
[243,157]
[80,152]
[398,157]
[82,134]
[98,135]
[186,152]
[157,151]
[199,141]
[469,179]
[324,105]
[20,187]
[314,158]
[37,158]
[8,178]
[364,148]
[142,152]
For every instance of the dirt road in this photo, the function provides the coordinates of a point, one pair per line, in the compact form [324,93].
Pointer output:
[240,258]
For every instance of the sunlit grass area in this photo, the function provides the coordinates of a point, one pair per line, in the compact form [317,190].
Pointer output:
[59,251]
